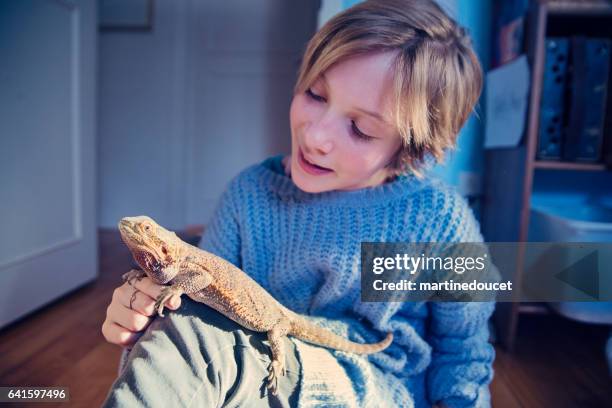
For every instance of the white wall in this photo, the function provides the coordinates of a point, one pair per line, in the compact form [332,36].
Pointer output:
[185,107]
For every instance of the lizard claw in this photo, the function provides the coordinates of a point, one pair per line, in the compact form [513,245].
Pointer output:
[274,370]
[133,274]
[159,306]
[164,296]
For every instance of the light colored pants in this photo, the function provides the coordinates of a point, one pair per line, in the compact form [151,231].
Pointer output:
[196,357]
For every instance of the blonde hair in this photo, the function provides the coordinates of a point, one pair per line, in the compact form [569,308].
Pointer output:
[436,74]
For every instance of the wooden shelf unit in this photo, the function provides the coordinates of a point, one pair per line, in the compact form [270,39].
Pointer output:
[559,165]
[510,172]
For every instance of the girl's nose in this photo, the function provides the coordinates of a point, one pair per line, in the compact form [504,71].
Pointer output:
[319,137]
[323,148]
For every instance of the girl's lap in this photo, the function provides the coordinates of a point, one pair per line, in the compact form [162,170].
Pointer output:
[196,356]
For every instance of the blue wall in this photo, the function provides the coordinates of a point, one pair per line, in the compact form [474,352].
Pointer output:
[475,16]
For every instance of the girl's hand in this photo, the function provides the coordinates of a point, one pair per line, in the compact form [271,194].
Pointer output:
[287,164]
[130,311]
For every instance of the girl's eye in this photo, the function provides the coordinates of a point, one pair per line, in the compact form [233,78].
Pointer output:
[354,129]
[359,133]
[314,96]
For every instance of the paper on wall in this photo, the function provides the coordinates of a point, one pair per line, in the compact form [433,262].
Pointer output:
[506,104]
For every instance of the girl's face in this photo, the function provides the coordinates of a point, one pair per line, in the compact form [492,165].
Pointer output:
[342,137]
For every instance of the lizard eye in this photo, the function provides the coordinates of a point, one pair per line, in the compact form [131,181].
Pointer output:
[164,250]
[147,227]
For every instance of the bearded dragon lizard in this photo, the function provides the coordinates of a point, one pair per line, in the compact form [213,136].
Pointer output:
[212,280]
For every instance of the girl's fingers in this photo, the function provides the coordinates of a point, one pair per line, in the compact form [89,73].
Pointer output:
[128,314]
[144,299]
[146,286]
[113,333]
[127,318]
[134,299]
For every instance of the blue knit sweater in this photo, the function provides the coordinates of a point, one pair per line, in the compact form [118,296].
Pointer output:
[304,249]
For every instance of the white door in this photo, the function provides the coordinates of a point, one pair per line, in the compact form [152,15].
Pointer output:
[48,242]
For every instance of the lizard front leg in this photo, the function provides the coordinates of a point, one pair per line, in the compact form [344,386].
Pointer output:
[277,366]
[189,282]
[133,274]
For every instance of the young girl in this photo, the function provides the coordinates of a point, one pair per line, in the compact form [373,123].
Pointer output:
[383,87]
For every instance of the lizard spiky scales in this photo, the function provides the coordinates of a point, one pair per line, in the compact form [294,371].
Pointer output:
[211,280]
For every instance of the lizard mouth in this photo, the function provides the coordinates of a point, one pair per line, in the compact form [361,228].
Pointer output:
[149,263]
[126,226]
[126,229]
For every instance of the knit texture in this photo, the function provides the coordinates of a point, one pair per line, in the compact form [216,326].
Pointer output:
[304,249]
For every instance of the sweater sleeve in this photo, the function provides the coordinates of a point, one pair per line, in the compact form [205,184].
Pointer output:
[462,357]
[222,234]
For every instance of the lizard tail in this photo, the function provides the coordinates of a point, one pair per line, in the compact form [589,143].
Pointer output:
[310,332]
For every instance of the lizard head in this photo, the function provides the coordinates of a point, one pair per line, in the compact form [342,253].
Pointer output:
[154,248]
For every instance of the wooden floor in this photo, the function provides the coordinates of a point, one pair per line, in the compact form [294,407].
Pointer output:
[557,362]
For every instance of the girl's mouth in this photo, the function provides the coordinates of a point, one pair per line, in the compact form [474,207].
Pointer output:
[311,168]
